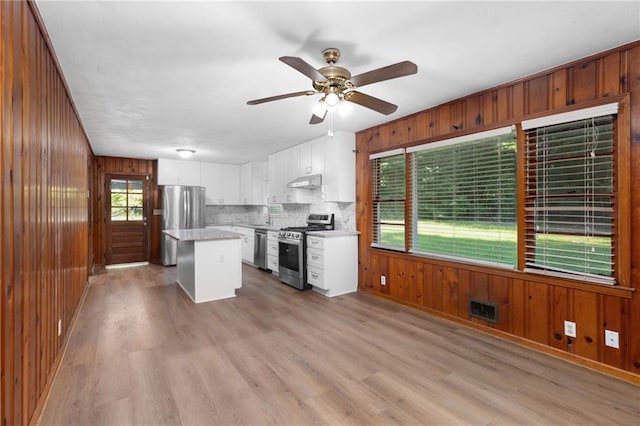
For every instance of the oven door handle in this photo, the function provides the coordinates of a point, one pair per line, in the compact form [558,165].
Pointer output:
[294,242]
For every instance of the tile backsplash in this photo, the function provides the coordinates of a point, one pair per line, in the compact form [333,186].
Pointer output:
[292,214]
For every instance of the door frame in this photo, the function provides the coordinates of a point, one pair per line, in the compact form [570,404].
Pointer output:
[146,201]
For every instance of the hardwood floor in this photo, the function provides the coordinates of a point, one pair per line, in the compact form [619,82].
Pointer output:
[142,353]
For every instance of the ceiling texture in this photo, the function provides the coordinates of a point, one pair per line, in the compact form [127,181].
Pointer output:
[150,77]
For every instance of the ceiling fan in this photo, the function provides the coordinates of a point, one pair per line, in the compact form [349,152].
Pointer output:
[336,84]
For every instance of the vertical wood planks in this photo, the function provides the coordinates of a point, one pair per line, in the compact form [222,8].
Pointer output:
[44,230]
[631,79]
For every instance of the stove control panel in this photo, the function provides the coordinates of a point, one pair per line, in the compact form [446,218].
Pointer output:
[290,235]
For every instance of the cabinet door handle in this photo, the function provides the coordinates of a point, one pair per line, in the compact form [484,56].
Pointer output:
[314,275]
[314,257]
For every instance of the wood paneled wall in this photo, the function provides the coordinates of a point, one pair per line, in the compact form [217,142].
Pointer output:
[128,166]
[45,163]
[532,308]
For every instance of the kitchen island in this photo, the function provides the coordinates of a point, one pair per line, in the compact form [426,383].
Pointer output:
[209,263]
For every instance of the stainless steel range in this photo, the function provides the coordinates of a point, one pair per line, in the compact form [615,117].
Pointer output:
[292,248]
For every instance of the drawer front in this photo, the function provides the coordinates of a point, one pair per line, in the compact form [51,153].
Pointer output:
[315,277]
[272,263]
[315,242]
[272,248]
[272,235]
[315,258]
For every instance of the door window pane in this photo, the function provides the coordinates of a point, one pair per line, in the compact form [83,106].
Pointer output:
[134,200]
[135,186]
[118,185]
[127,200]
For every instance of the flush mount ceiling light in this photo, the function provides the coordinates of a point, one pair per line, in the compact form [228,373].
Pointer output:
[185,152]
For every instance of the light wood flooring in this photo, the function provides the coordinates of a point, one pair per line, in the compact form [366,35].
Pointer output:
[142,353]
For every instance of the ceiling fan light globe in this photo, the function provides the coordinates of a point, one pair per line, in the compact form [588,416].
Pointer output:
[319,108]
[332,100]
[345,108]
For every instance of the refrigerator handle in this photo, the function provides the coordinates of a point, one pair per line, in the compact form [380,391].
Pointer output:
[187,208]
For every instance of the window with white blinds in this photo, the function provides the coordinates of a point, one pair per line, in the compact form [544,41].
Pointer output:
[464,197]
[570,195]
[388,199]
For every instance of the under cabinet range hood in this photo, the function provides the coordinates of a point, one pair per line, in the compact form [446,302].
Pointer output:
[306,182]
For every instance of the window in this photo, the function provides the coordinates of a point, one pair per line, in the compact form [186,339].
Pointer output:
[570,193]
[388,199]
[464,197]
[126,200]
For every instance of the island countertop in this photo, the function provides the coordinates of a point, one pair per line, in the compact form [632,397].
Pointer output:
[201,234]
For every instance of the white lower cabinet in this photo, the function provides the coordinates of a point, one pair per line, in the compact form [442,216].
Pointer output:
[332,264]
[247,242]
[272,252]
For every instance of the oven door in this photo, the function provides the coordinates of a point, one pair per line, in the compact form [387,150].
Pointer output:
[291,262]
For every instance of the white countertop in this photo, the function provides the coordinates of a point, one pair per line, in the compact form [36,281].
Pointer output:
[331,234]
[201,234]
[244,225]
[322,234]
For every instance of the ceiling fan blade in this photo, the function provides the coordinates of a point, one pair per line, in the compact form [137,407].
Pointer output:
[277,98]
[370,102]
[301,65]
[400,69]
[317,120]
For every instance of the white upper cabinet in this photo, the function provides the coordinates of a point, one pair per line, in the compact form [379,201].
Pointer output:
[311,157]
[273,179]
[339,176]
[333,158]
[253,183]
[178,172]
[283,168]
[222,183]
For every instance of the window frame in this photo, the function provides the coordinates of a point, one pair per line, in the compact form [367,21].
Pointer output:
[622,203]
[458,142]
[376,203]
[620,236]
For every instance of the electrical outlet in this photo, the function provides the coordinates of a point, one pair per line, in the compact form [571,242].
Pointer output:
[570,328]
[383,280]
[611,339]
[222,258]
[59,327]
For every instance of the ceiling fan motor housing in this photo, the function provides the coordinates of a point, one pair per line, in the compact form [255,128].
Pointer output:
[337,78]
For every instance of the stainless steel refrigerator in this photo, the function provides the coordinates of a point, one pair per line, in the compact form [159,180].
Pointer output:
[182,208]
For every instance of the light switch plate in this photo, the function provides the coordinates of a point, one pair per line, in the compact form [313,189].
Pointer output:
[611,339]
[570,328]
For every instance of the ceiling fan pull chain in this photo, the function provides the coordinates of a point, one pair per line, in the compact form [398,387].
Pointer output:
[330,132]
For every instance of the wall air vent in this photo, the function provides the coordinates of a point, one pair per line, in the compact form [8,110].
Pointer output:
[483,310]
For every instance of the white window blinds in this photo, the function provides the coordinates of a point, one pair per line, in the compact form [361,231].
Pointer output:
[569,198]
[464,197]
[388,183]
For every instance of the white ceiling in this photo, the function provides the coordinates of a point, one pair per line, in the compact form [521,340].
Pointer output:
[150,77]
